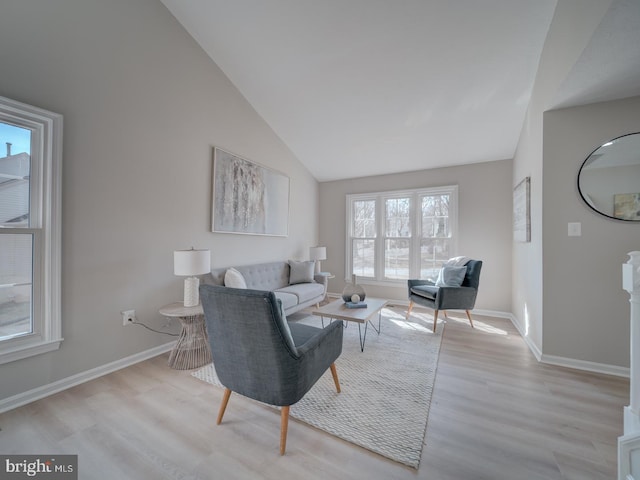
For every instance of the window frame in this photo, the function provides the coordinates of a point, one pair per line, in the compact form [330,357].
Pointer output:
[45,226]
[380,234]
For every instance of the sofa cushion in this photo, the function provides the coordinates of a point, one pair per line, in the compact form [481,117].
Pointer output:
[288,299]
[234,279]
[266,276]
[451,276]
[426,291]
[301,272]
[272,277]
[303,291]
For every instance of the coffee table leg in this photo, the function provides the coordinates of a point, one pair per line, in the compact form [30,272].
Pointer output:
[373,326]
[363,339]
[345,323]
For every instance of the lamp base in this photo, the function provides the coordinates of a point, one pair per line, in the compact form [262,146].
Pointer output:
[191,293]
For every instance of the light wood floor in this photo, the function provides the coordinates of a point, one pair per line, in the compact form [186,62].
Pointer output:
[495,414]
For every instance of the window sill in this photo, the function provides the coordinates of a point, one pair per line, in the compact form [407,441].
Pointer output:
[29,350]
[379,283]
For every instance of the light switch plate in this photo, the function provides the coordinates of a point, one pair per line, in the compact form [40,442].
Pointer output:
[575,229]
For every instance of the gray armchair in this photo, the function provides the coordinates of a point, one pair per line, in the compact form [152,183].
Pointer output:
[258,354]
[427,294]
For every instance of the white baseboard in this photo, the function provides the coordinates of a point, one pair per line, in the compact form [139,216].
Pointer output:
[527,340]
[45,390]
[541,357]
[585,365]
[569,362]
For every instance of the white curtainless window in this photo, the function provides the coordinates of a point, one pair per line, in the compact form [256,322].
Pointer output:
[30,208]
[394,236]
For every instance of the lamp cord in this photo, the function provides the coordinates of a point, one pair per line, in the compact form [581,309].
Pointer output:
[156,331]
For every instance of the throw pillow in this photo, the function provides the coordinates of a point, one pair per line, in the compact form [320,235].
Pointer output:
[234,279]
[451,276]
[301,272]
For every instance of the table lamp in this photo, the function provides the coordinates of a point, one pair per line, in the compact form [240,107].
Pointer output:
[190,263]
[317,254]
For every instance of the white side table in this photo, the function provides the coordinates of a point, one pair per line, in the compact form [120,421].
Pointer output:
[192,348]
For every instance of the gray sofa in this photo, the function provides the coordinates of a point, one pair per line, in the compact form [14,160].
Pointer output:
[274,277]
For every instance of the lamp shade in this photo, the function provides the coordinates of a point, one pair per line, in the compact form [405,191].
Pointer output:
[191,262]
[317,253]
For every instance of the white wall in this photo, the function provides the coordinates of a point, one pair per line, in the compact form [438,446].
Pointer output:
[485,219]
[586,311]
[572,26]
[567,294]
[143,106]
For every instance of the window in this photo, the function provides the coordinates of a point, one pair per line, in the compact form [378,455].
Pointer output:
[394,236]
[30,178]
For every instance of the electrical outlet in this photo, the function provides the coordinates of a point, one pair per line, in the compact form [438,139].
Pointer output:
[128,317]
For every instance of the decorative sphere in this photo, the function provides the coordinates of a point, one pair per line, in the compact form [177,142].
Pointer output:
[355,298]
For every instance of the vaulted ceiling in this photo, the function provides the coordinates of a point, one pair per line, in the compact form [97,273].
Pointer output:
[367,87]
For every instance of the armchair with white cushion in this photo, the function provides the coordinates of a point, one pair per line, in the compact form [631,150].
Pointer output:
[455,289]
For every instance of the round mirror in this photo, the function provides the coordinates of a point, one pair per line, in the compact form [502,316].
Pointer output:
[609,179]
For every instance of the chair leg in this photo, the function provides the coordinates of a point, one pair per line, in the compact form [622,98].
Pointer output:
[409,310]
[334,373]
[284,425]
[469,317]
[223,405]
[445,314]
[435,320]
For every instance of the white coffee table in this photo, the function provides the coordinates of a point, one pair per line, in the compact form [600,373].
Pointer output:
[337,310]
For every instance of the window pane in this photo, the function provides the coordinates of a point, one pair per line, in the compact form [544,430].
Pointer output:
[15,285]
[435,216]
[433,253]
[397,217]
[396,258]
[15,166]
[364,218]
[396,235]
[364,257]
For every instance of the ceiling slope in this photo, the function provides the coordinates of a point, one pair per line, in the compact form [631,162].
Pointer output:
[367,87]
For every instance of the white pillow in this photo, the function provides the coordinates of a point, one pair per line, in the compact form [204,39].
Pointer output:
[301,272]
[451,276]
[234,279]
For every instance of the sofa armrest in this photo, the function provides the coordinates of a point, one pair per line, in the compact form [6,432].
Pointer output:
[330,333]
[322,280]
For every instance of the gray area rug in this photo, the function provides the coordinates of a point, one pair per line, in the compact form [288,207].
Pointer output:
[386,390]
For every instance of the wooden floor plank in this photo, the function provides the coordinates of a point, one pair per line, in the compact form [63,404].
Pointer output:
[496,413]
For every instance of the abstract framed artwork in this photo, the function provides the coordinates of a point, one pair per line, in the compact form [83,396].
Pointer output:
[522,211]
[248,198]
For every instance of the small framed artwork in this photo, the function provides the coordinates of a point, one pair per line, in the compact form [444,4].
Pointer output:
[248,198]
[522,211]
[626,206]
